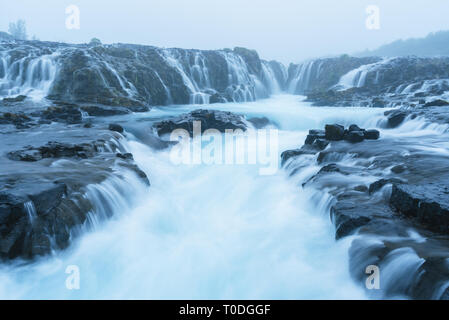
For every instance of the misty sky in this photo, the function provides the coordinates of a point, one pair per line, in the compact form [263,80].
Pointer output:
[286,30]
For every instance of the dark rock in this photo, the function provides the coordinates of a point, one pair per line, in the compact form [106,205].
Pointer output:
[56,150]
[18,98]
[67,113]
[395,118]
[437,103]
[104,111]
[320,144]
[354,127]
[21,121]
[371,134]
[210,119]
[376,186]
[48,199]
[289,154]
[398,169]
[125,156]
[310,139]
[116,127]
[317,132]
[329,168]
[334,132]
[259,122]
[217,98]
[361,188]
[378,103]
[428,204]
[355,136]
[347,218]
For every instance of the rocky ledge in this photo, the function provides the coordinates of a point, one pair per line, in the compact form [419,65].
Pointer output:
[394,191]
[45,204]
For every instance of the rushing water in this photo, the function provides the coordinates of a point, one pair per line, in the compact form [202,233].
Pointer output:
[209,231]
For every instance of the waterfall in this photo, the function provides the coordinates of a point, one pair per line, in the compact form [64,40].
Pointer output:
[30,75]
[31,210]
[357,78]
[301,77]
[270,78]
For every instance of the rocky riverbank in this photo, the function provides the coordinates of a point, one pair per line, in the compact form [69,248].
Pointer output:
[392,195]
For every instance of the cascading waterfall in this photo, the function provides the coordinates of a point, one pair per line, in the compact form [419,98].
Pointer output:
[300,80]
[30,75]
[357,78]
[172,240]
[269,78]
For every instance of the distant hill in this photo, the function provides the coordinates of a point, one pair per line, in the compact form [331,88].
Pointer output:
[435,44]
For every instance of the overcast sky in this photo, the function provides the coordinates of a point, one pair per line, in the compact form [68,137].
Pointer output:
[286,30]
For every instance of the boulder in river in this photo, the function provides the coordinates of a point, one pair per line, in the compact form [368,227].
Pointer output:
[210,119]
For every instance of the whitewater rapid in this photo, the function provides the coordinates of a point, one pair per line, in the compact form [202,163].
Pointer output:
[209,231]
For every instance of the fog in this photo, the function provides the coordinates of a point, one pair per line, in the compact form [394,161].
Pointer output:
[286,30]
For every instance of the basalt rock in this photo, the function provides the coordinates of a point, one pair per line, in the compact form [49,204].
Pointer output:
[210,119]
[428,204]
[395,118]
[437,103]
[57,150]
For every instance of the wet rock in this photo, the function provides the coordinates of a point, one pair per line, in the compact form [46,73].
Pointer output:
[104,111]
[354,127]
[21,121]
[320,144]
[259,122]
[125,156]
[371,134]
[18,98]
[361,188]
[395,118]
[437,103]
[379,184]
[116,127]
[57,150]
[398,169]
[355,136]
[347,217]
[67,113]
[210,119]
[334,132]
[289,154]
[428,204]
[311,137]
[217,98]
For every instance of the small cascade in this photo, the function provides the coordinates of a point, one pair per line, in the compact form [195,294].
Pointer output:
[127,87]
[31,75]
[166,89]
[31,210]
[300,80]
[269,78]
[357,78]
